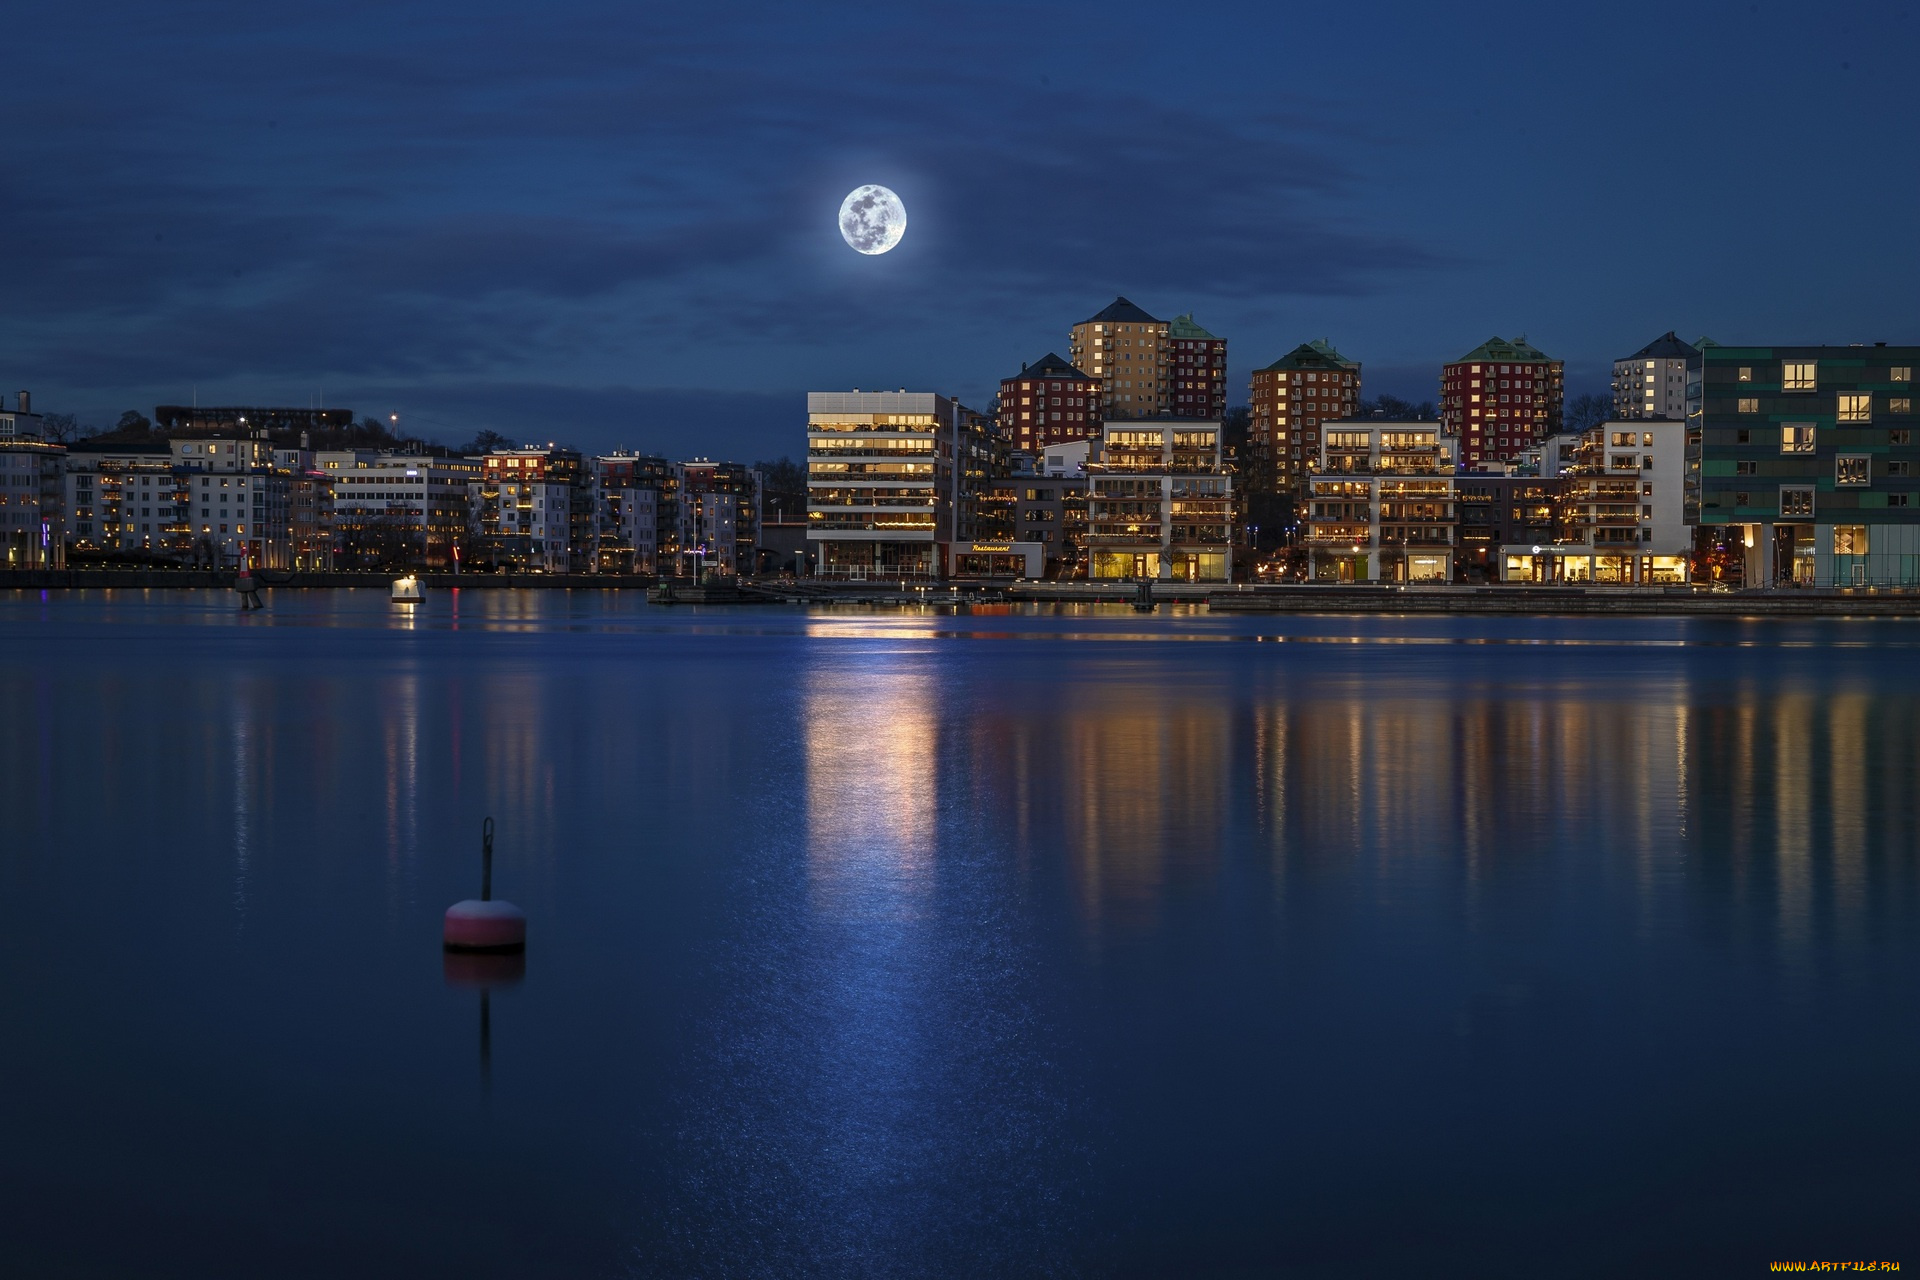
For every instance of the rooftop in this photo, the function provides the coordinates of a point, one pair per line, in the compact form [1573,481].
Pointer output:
[1668,346]
[1120,311]
[1497,348]
[1050,366]
[1184,327]
[1318,354]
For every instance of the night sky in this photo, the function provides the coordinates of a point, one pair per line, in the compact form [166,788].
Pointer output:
[614,224]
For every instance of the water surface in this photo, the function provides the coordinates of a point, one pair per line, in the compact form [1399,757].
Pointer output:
[1029,942]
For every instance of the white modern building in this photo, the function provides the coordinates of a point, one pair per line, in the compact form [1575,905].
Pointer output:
[127,498]
[1622,512]
[1160,502]
[1381,503]
[31,492]
[397,509]
[880,481]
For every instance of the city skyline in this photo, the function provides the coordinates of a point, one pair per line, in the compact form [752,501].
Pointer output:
[621,226]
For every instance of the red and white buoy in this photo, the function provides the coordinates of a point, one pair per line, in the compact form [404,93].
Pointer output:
[484,924]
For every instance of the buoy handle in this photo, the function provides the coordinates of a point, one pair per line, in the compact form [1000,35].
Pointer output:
[486,861]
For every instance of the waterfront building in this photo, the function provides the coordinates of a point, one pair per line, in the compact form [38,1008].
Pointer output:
[1050,510]
[1652,382]
[1048,402]
[1160,502]
[127,498]
[32,491]
[1806,455]
[1501,399]
[881,477]
[717,515]
[1290,399]
[1622,512]
[1197,370]
[239,504]
[1381,503]
[1496,511]
[532,508]
[634,496]
[397,510]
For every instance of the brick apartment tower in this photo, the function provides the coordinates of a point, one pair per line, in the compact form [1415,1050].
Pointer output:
[1501,398]
[1198,363]
[1309,385]
[1048,402]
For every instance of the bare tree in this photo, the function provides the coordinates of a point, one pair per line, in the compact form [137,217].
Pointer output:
[1588,411]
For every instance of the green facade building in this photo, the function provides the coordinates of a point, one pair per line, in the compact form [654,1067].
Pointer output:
[1808,456]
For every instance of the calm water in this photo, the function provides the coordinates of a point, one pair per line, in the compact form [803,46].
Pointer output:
[924,945]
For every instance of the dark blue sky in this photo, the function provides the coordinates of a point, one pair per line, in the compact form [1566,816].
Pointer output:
[614,224]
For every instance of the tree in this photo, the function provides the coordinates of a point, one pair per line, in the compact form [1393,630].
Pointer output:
[133,423]
[61,428]
[783,486]
[483,443]
[1588,411]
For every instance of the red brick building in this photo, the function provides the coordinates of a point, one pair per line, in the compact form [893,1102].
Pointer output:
[1291,398]
[1500,399]
[1049,402]
[1198,370]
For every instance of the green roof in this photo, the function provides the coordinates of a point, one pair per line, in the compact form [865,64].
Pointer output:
[1497,348]
[1184,327]
[1318,354]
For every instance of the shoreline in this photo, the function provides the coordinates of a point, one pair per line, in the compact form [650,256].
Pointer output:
[1245,599]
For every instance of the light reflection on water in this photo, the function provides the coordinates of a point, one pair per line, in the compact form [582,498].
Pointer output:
[901,944]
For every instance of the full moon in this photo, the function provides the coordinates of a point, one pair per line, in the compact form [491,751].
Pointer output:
[872,219]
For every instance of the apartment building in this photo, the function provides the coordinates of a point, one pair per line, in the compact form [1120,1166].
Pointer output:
[1197,370]
[1498,511]
[1807,455]
[1501,399]
[1622,512]
[127,498]
[717,512]
[32,492]
[1382,503]
[1652,382]
[635,495]
[533,509]
[1291,398]
[1146,369]
[411,510]
[1049,402]
[1160,502]
[880,482]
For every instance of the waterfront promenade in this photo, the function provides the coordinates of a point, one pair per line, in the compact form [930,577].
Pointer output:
[1244,598]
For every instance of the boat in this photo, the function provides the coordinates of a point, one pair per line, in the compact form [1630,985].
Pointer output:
[408,590]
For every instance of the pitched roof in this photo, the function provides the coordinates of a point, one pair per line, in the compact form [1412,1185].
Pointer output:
[1497,348]
[1049,366]
[1123,312]
[1184,327]
[1318,354]
[1668,346]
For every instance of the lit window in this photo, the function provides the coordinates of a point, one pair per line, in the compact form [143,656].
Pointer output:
[1900,404]
[1749,404]
[1746,374]
[1849,539]
[1856,408]
[1798,375]
[1903,373]
[1851,469]
[1796,437]
[1796,502]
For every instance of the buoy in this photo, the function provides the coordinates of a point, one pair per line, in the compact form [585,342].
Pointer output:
[408,590]
[483,924]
